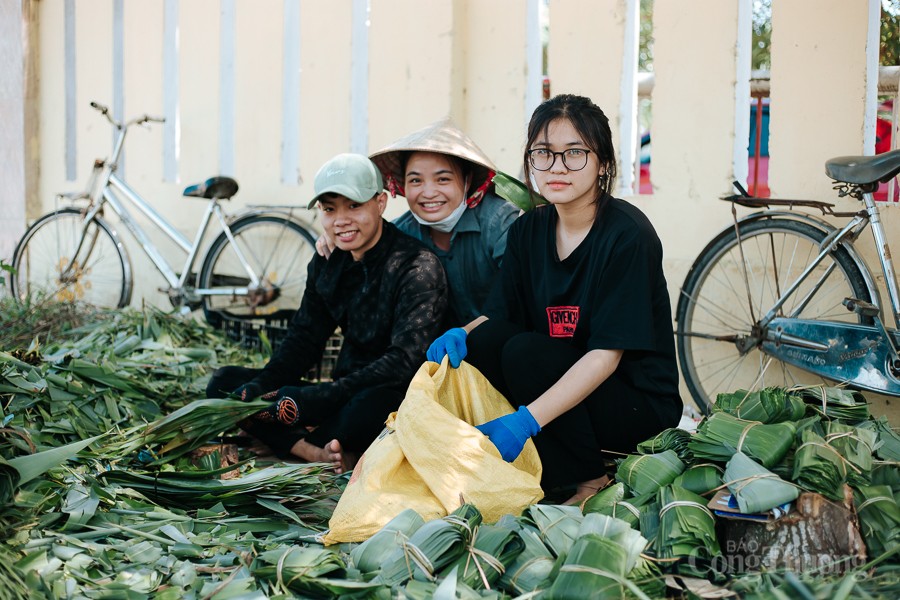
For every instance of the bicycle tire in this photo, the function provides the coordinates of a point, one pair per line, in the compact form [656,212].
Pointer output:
[715,301]
[103,279]
[278,250]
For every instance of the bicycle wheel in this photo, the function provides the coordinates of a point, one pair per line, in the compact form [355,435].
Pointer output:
[717,308]
[100,274]
[277,249]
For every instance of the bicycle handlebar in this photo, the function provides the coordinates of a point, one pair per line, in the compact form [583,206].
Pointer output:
[104,110]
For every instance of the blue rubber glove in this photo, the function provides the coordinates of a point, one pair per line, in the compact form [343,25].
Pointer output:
[510,432]
[452,344]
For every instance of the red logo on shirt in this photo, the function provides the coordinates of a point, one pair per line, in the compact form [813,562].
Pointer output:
[562,320]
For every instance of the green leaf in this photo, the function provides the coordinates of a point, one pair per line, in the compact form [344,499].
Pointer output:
[37,464]
[516,193]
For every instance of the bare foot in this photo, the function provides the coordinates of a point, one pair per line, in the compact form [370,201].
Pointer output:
[348,459]
[586,489]
[332,453]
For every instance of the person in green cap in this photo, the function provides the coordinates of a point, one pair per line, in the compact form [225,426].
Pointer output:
[447,182]
[388,295]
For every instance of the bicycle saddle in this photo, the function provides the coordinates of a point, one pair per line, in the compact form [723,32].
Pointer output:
[864,170]
[221,188]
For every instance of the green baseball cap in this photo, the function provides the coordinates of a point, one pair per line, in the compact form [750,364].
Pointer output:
[352,176]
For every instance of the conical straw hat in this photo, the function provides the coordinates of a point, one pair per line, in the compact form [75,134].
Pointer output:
[443,137]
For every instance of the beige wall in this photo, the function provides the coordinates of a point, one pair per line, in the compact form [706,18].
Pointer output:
[818,91]
[585,53]
[693,126]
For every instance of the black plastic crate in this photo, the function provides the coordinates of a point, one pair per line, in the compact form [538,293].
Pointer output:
[247,332]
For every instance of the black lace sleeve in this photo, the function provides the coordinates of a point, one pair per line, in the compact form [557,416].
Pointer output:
[420,303]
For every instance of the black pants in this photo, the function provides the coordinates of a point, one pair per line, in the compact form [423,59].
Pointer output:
[523,365]
[355,424]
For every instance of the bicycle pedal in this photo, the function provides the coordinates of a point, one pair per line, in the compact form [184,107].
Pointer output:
[861,307]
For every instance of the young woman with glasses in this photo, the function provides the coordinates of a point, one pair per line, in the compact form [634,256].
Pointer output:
[578,333]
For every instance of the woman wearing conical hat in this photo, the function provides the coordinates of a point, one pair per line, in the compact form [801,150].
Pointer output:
[446,179]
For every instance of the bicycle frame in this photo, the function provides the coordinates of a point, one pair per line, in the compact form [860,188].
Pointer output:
[104,190]
[847,234]
[213,209]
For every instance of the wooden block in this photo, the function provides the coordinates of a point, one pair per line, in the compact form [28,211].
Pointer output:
[818,533]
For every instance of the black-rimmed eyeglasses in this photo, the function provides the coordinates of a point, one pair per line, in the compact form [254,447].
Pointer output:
[573,159]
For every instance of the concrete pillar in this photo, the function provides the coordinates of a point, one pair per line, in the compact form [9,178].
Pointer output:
[411,67]
[18,125]
[463,59]
[819,91]
[593,52]
[693,125]
[489,103]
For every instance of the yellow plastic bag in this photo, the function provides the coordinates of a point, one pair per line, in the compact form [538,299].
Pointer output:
[431,458]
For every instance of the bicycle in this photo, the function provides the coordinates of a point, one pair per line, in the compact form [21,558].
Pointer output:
[255,268]
[782,298]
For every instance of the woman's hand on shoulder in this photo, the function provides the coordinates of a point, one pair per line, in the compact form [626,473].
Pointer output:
[324,246]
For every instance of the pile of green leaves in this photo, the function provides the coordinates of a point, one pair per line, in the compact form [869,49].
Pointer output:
[100,495]
[98,492]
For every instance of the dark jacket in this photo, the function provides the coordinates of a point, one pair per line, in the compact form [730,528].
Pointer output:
[389,306]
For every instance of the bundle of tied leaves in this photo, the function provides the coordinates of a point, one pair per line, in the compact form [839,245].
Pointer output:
[755,488]
[312,571]
[820,467]
[531,570]
[557,525]
[836,403]
[720,435]
[669,439]
[368,556]
[856,445]
[600,562]
[887,446]
[768,405]
[685,532]
[646,473]
[611,501]
[879,518]
[433,546]
[490,551]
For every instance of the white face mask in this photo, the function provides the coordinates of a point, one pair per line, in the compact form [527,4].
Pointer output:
[446,224]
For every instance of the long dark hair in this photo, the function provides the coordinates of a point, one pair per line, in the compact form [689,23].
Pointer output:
[591,124]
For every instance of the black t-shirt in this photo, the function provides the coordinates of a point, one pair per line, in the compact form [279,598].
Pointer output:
[609,293]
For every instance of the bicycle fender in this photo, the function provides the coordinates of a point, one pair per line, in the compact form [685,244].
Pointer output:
[857,355]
